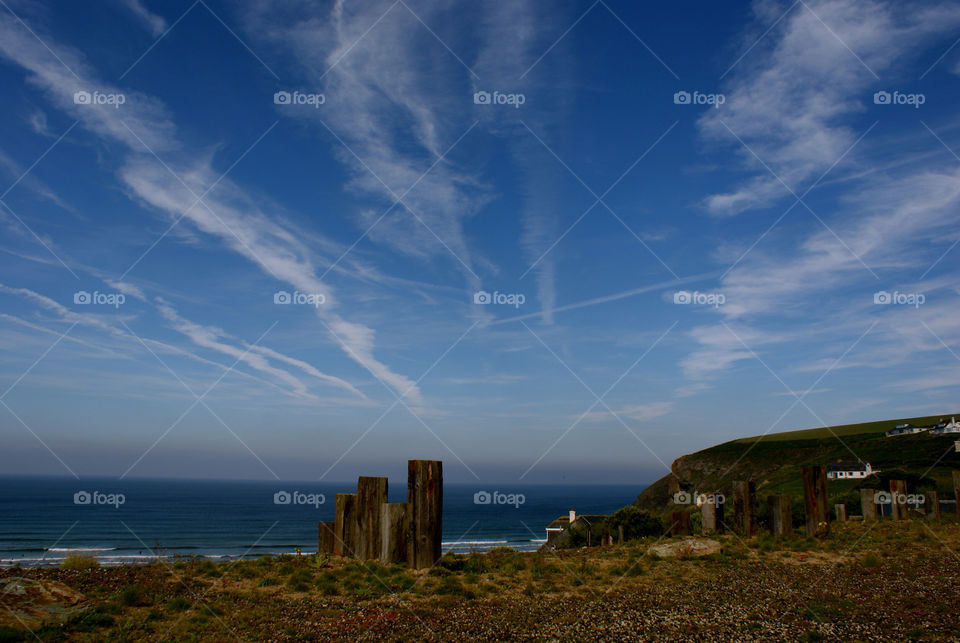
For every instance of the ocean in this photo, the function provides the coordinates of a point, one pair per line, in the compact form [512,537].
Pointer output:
[43,520]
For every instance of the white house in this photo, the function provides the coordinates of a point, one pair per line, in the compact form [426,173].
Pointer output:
[850,470]
[946,427]
[904,429]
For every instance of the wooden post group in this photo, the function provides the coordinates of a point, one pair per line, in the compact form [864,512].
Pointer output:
[367,527]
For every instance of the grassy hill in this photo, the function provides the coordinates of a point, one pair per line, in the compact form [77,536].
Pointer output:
[842,430]
[773,461]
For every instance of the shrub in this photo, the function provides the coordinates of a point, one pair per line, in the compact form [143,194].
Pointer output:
[135,596]
[453,562]
[476,563]
[178,604]
[298,580]
[78,561]
[636,523]
[91,620]
[871,560]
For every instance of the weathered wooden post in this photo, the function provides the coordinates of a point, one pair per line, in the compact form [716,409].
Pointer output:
[815,500]
[711,513]
[395,532]
[345,524]
[680,523]
[745,508]
[956,492]
[868,504]
[325,538]
[619,534]
[841,512]
[780,515]
[933,499]
[371,494]
[898,493]
[425,497]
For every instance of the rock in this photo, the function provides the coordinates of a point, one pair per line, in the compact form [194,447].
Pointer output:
[35,603]
[686,547]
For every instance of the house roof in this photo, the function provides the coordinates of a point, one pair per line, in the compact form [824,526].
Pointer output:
[564,521]
[847,466]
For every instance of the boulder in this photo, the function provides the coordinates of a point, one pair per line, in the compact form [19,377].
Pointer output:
[686,547]
[33,604]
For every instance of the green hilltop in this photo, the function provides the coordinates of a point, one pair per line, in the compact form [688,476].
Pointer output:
[773,461]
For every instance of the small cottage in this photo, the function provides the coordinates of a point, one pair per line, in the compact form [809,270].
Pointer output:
[904,429]
[559,527]
[849,470]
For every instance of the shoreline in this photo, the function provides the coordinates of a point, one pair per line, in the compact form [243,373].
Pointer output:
[109,560]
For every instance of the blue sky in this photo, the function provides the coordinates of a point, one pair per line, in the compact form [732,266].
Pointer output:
[561,242]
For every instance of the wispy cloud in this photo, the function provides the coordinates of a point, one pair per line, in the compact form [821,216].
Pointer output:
[638,412]
[791,98]
[154,23]
[144,127]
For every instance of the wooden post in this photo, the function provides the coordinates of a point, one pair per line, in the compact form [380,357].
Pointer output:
[371,495]
[780,515]
[815,500]
[841,512]
[344,524]
[395,532]
[868,504]
[711,514]
[425,497]
[956,492]
[933,499]
[745,508]
[680,523]
[898,493]
[325,538]
[620,534]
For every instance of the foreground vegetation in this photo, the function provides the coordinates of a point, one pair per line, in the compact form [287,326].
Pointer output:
[866,582]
